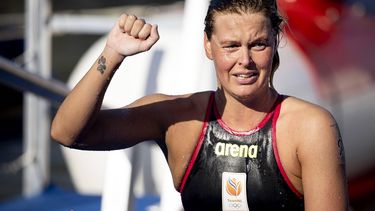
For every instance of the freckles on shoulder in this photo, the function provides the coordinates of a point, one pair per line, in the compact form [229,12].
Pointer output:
[301,108]
[303,119]
[313,129]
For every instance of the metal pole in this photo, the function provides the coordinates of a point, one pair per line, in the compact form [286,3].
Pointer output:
[20,79]
[36,110]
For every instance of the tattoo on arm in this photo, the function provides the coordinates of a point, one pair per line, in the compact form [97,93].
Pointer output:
[340,144]
[101,64]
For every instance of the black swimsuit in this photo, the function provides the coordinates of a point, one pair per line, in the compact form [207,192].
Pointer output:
[231,170]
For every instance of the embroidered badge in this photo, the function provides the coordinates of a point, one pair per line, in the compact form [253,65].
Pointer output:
[233,190]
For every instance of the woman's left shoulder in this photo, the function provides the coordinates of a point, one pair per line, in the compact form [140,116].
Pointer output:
[304,113]
[310,128]
[305,122]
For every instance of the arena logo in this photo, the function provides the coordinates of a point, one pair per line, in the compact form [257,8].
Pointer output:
[235,150]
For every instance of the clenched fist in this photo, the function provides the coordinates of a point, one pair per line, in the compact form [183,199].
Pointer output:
[132,35]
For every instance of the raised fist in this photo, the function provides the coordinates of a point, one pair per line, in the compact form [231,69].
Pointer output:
[131,35]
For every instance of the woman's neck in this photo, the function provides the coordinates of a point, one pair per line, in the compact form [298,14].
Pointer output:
[244,114]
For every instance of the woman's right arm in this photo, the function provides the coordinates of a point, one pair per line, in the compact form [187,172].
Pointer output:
[79,122]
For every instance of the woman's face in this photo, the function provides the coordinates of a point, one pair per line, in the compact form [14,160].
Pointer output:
[242,47]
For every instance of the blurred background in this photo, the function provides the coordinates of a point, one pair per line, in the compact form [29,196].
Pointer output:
[326,57]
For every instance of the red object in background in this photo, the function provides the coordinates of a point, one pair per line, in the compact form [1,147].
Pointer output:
[337,40]
[311,21]
[362,186]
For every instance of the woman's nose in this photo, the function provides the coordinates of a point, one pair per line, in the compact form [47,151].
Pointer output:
[245,57]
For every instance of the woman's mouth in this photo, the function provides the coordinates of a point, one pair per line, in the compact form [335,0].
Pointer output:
[244,75]
[246,78]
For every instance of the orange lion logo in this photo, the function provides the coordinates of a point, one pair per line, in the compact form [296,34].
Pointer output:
[233,187]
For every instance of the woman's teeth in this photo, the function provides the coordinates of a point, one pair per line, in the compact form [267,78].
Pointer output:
[245,75]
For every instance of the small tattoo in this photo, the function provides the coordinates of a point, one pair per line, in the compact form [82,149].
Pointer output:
[340,144]
[101,64]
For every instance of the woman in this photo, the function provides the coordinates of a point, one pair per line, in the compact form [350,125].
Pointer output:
[241,147]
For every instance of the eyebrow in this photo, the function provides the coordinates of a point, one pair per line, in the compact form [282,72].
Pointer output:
[229,40]
[261,38]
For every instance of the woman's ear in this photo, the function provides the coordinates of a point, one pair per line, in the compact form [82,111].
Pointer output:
[207,46]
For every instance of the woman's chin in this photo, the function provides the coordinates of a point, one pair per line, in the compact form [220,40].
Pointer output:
[245,94]
[242,94]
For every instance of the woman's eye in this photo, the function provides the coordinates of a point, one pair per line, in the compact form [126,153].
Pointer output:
[230,46]
[259,46]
